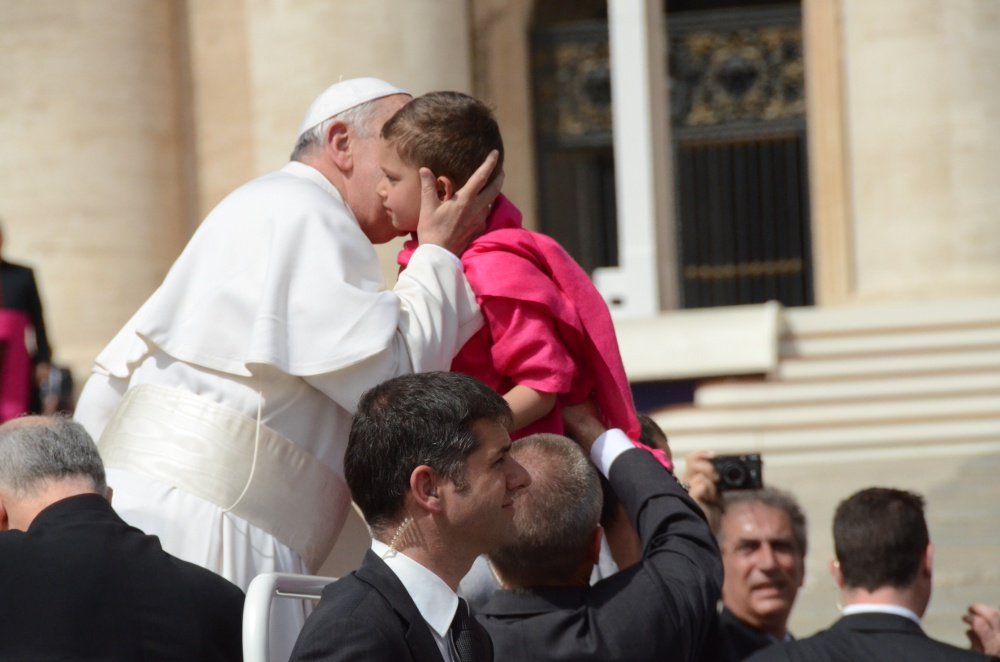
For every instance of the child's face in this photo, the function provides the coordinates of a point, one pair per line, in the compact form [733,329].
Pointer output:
[399,188]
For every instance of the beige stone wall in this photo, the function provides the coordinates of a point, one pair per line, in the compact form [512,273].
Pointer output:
[922,125]
[90,186]
[501,54]
[256,66]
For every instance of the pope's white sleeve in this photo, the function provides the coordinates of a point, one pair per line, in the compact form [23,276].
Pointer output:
[438,314]
[438,311]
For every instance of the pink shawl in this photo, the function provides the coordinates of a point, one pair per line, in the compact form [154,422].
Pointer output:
[510,265]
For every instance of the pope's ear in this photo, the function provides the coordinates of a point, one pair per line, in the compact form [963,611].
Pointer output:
[337,143]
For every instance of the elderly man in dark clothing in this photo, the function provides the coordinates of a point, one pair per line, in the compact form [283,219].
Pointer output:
[77,582]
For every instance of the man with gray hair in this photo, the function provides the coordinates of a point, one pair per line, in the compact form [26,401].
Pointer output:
[78,582]
[762,537]
[233,386]
[660,608]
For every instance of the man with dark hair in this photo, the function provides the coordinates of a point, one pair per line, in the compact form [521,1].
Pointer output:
[658,609]
[80,584]
[762,537]
[428,462]
[883,570]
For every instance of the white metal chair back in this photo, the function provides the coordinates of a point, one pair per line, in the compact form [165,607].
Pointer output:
[257,608]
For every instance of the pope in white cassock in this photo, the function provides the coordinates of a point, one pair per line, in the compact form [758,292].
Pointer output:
[223,406]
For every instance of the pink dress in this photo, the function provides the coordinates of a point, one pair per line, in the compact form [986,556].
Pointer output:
[546,325]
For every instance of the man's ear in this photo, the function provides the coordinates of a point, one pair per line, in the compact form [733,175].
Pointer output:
[4,522]
[595,546]
[337,143]
[424,483]
[929,559]
[838,575]
[445,188]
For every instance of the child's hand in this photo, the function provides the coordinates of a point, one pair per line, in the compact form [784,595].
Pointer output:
[453,223]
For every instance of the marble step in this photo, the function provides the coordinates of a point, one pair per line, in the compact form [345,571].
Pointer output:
[690,419]
[756,393]
[875,318]
[887,343]
[861,367]
[921,437]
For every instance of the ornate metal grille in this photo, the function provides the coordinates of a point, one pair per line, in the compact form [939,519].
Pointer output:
[738,125]
[737,108]
[576,182]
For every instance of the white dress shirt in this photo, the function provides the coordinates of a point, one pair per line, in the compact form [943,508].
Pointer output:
[880,609]
[434,599]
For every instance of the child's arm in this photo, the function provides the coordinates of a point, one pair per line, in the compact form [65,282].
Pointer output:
[528,405]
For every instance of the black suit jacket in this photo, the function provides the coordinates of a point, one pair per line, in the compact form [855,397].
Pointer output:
[659,609]
[81,584]
[869,637]
[18,291]
[368,615]
[732,640]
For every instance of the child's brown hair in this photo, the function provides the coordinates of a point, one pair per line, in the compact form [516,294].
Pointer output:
[449,132]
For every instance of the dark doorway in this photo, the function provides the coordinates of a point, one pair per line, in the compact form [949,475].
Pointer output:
[738,131]
[737,94]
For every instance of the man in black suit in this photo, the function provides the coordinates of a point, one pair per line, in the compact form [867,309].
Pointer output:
[883,569]
[19,292]
[762,537]
[80,584]
[428,463]
[658,609]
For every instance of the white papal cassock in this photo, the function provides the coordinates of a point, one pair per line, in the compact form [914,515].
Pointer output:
[275,313]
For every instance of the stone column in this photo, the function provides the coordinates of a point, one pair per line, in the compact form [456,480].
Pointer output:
[921,138]
[90,185]
[256,66]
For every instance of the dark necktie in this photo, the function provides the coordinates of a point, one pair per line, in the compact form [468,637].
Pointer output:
[461,633]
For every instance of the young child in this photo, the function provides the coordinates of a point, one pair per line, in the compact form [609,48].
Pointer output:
[548,340]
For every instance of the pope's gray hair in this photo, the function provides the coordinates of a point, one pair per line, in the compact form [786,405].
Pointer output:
[359,118]
[37,449]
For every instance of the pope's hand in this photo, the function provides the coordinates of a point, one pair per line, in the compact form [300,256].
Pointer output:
[453,223]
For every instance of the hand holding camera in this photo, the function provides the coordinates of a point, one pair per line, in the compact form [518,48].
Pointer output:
[708,474]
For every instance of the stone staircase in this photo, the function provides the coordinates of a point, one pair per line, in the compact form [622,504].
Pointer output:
[860,378]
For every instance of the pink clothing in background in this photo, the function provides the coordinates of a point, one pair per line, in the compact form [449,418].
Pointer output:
[15,365]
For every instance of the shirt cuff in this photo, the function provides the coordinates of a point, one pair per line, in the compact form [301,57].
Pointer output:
[607,448]
[457,260]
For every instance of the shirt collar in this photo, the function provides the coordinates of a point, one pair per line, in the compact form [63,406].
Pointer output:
[880,609]
[434,599]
